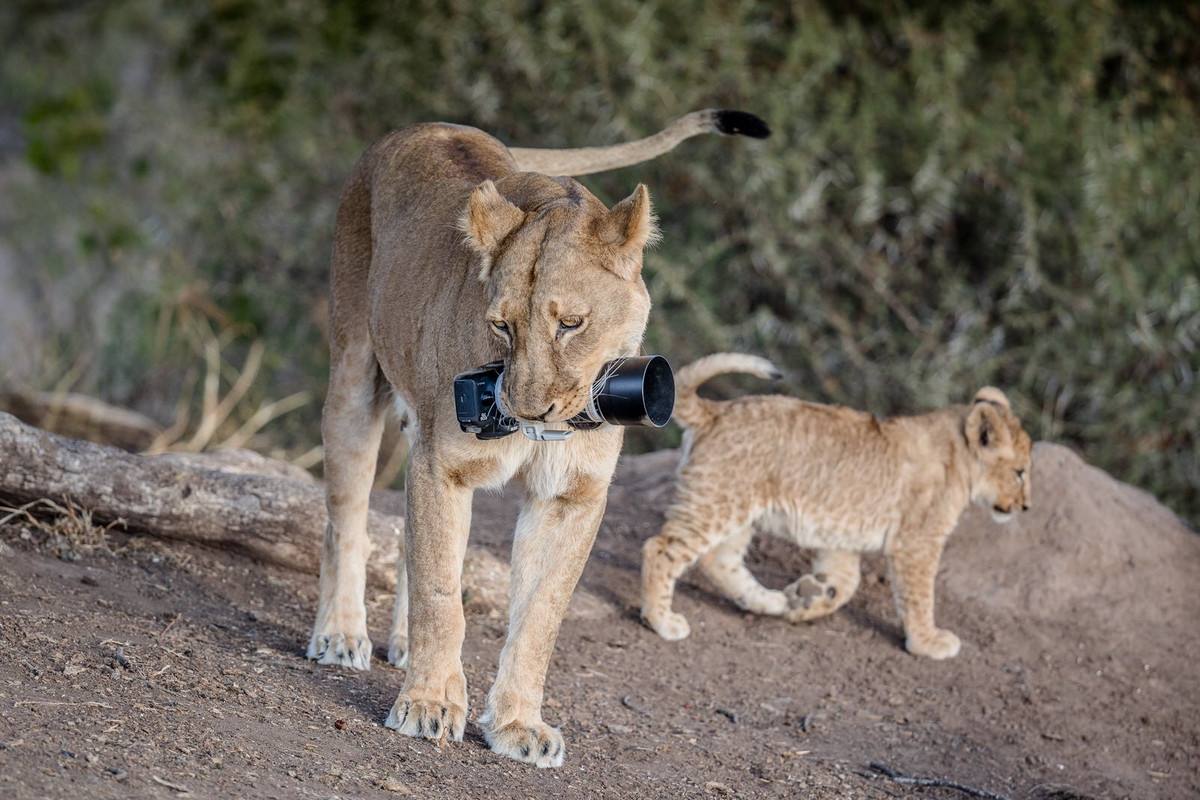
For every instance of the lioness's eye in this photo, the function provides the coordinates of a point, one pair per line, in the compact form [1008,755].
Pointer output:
[1020,476]
[570,323]
[500,325]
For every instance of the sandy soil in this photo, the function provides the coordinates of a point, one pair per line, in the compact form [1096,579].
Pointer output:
[138,668]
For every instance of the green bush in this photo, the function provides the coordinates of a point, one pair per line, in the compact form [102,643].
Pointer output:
[956,194]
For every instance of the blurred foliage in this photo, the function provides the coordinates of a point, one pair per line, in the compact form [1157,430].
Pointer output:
[956,193]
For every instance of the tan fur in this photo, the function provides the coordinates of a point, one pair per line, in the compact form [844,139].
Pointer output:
[833,479]
[446,256]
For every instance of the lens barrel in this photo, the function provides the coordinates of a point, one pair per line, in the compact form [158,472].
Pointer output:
[636,391]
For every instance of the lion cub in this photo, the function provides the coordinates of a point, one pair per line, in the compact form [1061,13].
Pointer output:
[840,481]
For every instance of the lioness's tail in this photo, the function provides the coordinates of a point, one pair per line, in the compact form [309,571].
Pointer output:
[586,160]
[694,411]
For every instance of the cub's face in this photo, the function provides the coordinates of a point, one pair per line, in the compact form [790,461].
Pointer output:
[1001,455]
[564,289]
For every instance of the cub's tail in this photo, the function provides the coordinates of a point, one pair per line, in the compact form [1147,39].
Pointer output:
[694,411]
[586,160]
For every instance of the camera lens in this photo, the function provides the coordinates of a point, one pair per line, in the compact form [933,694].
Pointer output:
[636,391]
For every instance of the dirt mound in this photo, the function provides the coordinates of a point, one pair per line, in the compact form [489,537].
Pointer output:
[1091,547]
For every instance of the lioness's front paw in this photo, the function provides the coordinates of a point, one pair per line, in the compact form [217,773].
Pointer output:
[937,645]
[808,598]
[427,719]
[340,649]
[536,744]
[670,626]
[398,651]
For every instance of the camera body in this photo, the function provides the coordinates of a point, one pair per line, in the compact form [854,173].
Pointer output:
[635,391]
[477,402]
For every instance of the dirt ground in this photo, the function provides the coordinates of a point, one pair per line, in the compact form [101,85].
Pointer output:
[140,668]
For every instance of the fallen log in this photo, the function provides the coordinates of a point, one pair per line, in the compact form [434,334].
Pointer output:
[273,519]
[81,417]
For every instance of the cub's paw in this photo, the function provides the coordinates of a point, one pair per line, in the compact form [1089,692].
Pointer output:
[340,649]
[398,651]
[769,602]
[670,626]
[809,597]
[536,744]
[439,720]
[937,645]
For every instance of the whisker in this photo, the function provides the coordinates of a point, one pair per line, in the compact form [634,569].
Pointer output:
[609,370]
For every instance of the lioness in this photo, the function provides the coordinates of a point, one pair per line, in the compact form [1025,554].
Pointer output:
[829,478]
[448,255]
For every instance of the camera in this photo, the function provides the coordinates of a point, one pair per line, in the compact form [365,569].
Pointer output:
[635,391]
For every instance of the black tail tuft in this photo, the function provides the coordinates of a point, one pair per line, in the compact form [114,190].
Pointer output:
[745,123]
[775,376]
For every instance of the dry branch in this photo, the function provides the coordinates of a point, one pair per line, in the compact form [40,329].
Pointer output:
[81,417]
[273,519]
[936,782]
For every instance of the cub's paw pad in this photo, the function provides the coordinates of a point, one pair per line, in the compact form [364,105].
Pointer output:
[938,645]
[536,744]
[340,650]
[809,597]
[670,626]
[422,719]
[398,652]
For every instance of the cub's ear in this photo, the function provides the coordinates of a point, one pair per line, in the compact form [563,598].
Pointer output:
[990,394]
[628,228]
[488,220]
[985,429]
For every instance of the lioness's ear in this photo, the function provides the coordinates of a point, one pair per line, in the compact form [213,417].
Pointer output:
[990,394]
[488,220]
[629,227]
[985,429]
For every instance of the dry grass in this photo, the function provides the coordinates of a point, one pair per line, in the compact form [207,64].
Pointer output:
[226,416]
[64,529]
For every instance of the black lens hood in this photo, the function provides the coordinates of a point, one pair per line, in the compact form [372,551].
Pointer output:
[637,391]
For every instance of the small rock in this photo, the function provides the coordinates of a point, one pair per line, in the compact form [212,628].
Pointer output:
[393,785]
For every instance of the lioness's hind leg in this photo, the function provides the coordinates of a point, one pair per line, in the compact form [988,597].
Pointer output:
[352,426]
[725,565]
[834,579]
[398,640]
